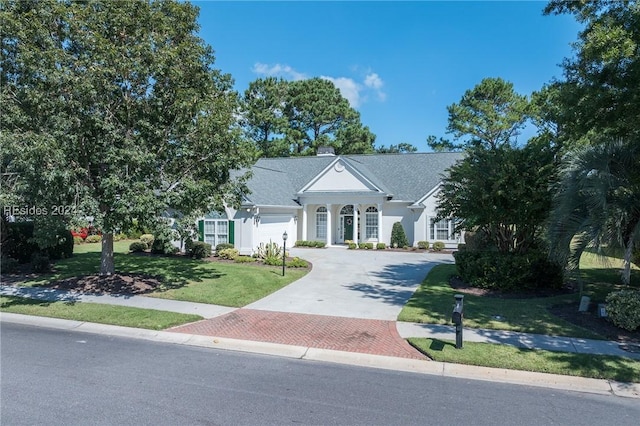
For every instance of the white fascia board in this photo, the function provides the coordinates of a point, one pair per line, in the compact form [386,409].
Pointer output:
[429,194]
[351,169]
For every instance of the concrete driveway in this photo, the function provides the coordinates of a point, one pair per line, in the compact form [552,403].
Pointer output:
[353,283]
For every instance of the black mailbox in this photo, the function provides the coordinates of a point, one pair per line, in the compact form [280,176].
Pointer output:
[456,316]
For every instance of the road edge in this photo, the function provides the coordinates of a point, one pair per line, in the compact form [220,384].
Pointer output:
[500,375]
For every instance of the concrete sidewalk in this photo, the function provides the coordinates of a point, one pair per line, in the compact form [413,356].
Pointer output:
[405,330]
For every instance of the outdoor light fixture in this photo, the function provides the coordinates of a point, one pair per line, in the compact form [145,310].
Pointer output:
[284,250]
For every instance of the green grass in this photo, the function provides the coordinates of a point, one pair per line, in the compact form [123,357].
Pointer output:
[92,312]
[433,302]
[227,284]
[509,357]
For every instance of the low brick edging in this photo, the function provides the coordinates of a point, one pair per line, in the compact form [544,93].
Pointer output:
[376,337]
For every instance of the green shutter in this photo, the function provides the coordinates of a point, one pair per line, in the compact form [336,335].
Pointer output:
[231,233]
[201,230]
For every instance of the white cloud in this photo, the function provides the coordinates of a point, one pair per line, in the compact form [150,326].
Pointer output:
[374,82]
[278,70]
[354,92]
[348,88]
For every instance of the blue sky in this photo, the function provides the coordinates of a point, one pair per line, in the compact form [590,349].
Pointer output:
[400,64]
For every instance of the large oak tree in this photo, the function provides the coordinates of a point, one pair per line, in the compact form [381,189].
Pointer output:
[115,107]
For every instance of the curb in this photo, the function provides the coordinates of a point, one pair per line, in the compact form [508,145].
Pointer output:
[500,375]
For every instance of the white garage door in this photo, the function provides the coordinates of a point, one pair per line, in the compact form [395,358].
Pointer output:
[271,228]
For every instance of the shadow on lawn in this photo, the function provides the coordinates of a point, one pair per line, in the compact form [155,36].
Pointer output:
[617,368]
[168,272]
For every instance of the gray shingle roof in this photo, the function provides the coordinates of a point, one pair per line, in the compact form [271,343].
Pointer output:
[407,177]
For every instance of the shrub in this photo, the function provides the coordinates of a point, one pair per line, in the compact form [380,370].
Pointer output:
[478,240]
[319,244]
[381,246]
[438,246]
[8,264]
[508,271]
[40,262]
[301,243]
[229,254]
[244,259]
[366,246]
[134,235]
[273,261]
[162,240]
[352,246]
[63,246]
[93,239]
[78,240]
[462,246]
[119,237]
[271,249]
[137,246]
[296,262]
[398,237]
[19,245]
[223,246]
[623,309]
[200,250]
[147,239]
[424,245]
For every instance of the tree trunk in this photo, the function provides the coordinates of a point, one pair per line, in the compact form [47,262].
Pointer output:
[107,266]
[626,273]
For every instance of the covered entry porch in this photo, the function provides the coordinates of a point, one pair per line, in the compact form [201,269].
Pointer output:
[337,223]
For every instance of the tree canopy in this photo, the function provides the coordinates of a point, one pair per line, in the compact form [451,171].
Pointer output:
[116,108]
[294,118]
[600,92]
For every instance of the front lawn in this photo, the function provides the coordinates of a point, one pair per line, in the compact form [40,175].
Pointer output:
[93,312]
[433,302]
[503,356]
[227,284]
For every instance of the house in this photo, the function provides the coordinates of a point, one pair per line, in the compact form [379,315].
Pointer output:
[335,199]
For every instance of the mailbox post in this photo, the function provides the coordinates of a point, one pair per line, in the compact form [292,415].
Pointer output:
[456,318]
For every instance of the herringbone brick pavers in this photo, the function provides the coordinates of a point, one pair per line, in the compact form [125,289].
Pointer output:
[376,337]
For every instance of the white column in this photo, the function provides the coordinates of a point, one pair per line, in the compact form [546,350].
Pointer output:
[380,223]
[329,225]
[304,222]
[355,223]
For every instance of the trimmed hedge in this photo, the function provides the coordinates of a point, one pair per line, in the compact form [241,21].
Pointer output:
[424,245]
[305,243]
[229,254]
[223,246]
[438,246]
[381,246]
[137,246]
[200,250]
[623,309]
[508,272]
[398,236]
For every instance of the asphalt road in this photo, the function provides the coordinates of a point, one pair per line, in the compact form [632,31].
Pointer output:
[67,378]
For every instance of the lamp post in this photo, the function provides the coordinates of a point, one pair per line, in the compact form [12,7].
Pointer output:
[284,250]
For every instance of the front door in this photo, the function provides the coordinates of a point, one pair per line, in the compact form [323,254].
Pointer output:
[347,227]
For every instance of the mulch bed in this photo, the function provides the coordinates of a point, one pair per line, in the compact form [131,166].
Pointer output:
[569,312]
[109,284]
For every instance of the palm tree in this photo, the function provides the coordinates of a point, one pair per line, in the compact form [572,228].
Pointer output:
[598,203]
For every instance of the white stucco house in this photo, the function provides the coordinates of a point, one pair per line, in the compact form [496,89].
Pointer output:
[336,198]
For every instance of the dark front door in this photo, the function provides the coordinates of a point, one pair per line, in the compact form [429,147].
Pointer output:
[348,227]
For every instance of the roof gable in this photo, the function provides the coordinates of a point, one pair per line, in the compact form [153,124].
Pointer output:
[340,176]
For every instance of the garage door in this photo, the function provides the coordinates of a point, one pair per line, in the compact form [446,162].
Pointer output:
[271,228]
